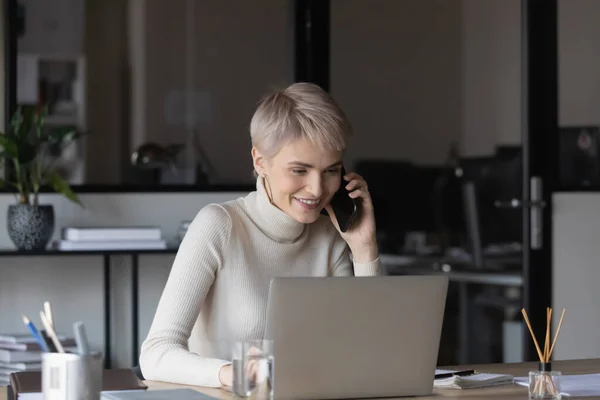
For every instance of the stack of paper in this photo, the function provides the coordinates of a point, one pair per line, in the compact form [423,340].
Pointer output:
[477,380]
[573,385]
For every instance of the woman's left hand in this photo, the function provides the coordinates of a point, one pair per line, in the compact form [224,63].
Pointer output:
[361,237]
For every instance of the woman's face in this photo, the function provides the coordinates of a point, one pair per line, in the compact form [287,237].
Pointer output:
[301,178]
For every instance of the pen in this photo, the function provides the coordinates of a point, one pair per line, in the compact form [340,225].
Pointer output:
[35,334]
[48,341]
[51,333]
[48,311]
[457,373]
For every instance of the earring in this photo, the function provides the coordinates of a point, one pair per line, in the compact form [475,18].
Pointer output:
[267,189]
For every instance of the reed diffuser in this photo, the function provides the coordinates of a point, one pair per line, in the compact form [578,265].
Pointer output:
[545,383]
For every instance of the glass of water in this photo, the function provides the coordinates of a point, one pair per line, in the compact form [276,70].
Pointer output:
[253,369]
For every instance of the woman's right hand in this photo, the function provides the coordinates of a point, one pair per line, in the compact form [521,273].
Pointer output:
[226,376]
[226,372]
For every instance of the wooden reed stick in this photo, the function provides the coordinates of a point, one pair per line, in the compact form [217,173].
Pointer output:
[562,315]
[548,335]
[537,346]
[539,385]
[547,341]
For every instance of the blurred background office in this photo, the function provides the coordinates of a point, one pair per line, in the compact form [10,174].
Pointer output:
[449,112]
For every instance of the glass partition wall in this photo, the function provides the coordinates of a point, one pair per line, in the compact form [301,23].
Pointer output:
[163,91]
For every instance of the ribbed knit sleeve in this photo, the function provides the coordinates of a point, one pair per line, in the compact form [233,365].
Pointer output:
[372,268]
[164,353]
[346,267]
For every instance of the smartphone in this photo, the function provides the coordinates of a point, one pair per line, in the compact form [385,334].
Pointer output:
[344,207]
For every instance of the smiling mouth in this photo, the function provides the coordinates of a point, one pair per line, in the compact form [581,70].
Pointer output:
[309,203]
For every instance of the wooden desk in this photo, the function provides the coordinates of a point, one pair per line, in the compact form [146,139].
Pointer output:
[505,392]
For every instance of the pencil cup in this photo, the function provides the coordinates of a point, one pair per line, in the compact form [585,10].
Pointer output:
[71,376]
[544,383]
[253,370]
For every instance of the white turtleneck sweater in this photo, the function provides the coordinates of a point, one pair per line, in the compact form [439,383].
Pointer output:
[217,290]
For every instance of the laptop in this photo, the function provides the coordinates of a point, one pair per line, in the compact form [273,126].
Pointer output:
[355,337]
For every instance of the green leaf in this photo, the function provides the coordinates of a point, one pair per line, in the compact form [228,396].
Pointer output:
[39,121]
[9,145]
[27,152]
[16,121]
[62,187]
[27,122]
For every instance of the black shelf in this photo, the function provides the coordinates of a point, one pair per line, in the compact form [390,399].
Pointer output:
[576,189]
[129,188]
[56,252]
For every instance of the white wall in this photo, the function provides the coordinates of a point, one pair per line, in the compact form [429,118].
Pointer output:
[416,77]
[491,35]
[576,224]
[396,71]
[579,62]
[492,75]
[53,27]
[576,274]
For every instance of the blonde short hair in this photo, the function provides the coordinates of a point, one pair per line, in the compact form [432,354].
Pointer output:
[301,111]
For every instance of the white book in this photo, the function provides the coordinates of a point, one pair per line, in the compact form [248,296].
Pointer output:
[24,337]
[22,366]
[111,233]
[10,356]
[68,245]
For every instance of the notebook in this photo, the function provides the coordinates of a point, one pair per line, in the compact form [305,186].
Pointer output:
[168,394]
[477,380]
[27,385]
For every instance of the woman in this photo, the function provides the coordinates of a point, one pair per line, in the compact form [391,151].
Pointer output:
[218,286]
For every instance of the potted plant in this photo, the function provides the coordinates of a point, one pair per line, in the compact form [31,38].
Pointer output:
[29,153]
